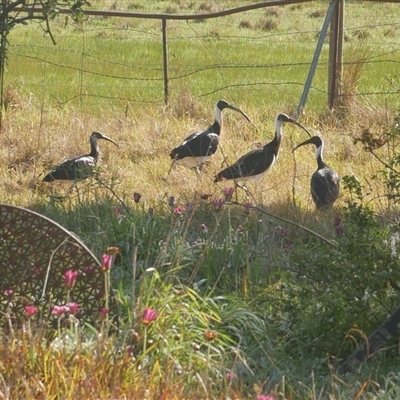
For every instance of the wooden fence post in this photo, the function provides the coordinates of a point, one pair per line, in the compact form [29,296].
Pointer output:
[335,53]
[165,60]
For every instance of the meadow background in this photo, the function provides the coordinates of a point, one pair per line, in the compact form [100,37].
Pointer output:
[251,301]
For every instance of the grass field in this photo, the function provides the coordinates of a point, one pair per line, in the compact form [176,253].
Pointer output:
[250,302]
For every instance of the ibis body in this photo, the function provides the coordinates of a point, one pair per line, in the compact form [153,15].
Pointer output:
[198,147]
[81,167]
[325,183]
[254,164]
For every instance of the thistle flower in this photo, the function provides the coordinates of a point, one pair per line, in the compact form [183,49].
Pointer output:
[136,197]
[337,224]
[283,231]
[247,207]
[70,278]
[171,201]
[228,192]
[218,204]
[117,211]
[149,315]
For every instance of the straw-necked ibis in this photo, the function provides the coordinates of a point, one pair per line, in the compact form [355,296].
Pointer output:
[81,167]
[325,184]
[198,147]
[255,163]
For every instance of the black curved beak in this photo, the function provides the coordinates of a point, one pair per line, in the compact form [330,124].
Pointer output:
[293,121]
[109,139]
[239,111]
[309,141]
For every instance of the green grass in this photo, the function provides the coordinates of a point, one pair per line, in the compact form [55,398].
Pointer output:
[285,303]
[205,58]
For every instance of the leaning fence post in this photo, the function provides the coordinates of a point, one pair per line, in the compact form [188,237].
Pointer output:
[314,61]
[165,60]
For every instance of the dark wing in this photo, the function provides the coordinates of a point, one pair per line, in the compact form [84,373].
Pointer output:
[199,144]
[253,163]
[325,187]
[73,169]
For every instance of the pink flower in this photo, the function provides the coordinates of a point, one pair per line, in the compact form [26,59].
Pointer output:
[8,292]
[218,204]
[265,397]
[103,312]
[30,311]
[70,278]
[288,247]
[59,311]
[73,308]
[337,221]
[179,210]
[230,376]
[337,224]
[283,231]
[106,262]
[339,230]
[136,197]
[149,315]
[228,192]
[89,269]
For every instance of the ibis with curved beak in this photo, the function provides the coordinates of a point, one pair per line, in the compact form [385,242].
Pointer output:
[254,164]
[198,147]
[81,167]
[325,184]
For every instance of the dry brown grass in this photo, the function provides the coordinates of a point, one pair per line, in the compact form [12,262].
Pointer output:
[34,140]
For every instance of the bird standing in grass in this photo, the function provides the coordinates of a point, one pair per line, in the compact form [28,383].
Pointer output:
[325,184]
[254,164]
[81,167]
[198,147]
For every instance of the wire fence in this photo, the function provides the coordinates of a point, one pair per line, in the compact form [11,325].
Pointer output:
[263,53]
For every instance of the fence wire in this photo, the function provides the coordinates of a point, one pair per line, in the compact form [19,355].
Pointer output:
[262,55]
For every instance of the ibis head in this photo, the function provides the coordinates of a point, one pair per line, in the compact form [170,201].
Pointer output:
[222,104]
[282,118]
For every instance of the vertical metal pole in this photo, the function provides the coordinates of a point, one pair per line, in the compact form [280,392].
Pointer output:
[314,61]
[335,53]
[165,59]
